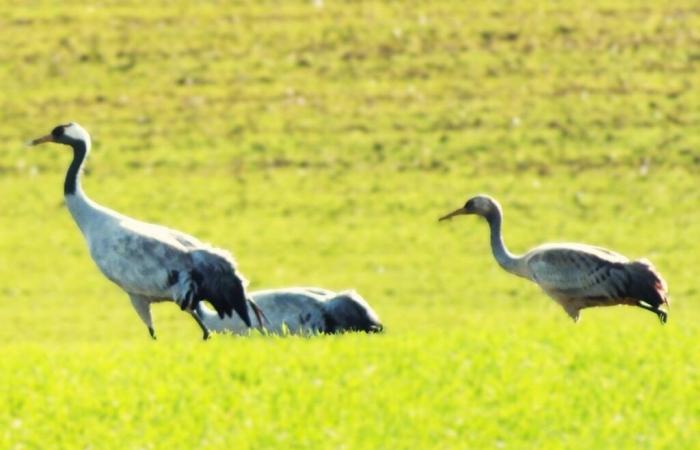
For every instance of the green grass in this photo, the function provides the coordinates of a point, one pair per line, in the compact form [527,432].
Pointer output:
[320,144]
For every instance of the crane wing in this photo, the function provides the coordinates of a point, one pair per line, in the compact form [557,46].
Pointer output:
[579,271]
[296,310]
[140,263]
[168,236]
[142,258]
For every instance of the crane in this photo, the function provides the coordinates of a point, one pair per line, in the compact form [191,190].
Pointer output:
[576,276]
[301,310]
[151,263]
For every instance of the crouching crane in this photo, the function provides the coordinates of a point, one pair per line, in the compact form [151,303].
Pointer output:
[301,311]
[577,276]
[150,262]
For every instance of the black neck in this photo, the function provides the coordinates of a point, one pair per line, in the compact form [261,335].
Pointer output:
[71,183]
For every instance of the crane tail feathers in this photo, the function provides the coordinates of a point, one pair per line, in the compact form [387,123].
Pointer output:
[221,284]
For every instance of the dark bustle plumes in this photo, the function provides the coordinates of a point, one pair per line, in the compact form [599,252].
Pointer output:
[227,295]
[220,284]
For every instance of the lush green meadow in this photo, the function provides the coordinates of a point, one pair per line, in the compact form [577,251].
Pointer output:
[319,141]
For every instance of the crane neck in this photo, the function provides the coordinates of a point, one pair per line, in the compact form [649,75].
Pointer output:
[71,185]
[505,259]
[83,210]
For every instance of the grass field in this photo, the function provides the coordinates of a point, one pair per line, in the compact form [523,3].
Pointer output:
[320,141]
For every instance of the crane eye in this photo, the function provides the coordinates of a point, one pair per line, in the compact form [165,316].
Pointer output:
[58,131]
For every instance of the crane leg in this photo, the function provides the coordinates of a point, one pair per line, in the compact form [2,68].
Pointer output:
[259,314]
[205,331]
[142,305]
[573,312]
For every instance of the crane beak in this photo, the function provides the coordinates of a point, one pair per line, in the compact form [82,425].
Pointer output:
[41,140]
[456,212]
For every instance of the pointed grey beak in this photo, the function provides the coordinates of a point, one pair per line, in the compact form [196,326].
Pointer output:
[41,140]
[456,212]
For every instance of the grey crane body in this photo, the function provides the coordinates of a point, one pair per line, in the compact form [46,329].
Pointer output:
[577,276]
[301,310]
[150,262]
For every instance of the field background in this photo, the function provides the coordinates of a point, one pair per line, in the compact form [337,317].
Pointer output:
[320,141]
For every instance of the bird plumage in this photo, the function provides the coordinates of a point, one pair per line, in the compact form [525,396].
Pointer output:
[577,276]
[580,276]
[150,262]
[301,311]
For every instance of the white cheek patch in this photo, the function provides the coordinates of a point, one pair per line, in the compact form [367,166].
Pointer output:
[75,131]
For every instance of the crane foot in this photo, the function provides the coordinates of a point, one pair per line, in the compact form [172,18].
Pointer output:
[663,316]
[205,331]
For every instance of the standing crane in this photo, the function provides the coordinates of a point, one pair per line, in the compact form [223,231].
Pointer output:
[576,276]
[150,262]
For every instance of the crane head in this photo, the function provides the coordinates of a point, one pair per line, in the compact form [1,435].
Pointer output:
[347,311]
[481,205]
[64,134]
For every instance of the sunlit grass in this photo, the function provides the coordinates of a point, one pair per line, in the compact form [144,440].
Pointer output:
[320,144]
